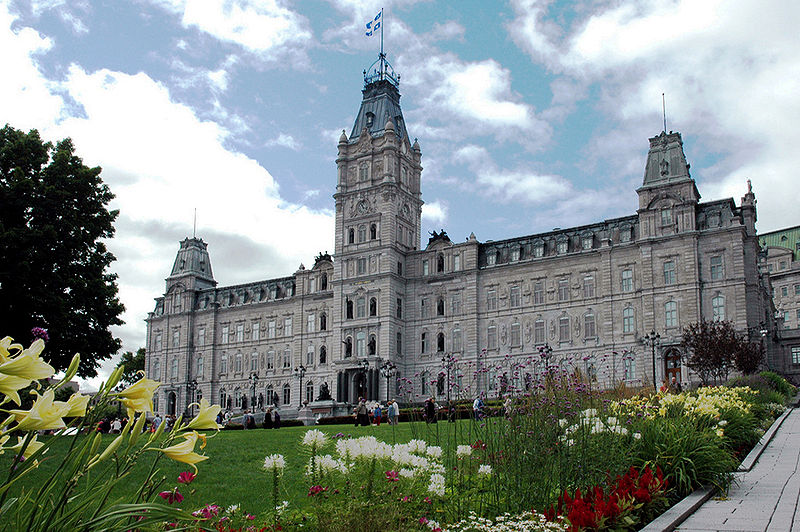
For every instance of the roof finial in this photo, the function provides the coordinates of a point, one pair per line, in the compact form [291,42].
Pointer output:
[664,111]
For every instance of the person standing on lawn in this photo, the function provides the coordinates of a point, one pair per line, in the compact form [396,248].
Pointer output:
[376,414]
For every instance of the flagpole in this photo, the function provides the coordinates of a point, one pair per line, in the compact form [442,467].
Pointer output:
[383,66]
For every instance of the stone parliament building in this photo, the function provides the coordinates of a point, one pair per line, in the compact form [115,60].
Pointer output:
[383,315]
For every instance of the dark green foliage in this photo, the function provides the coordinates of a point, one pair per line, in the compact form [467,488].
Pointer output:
[134,363]
[689,456]
[779,384]
[53,260]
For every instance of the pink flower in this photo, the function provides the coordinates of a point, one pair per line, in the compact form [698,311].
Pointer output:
[171,496]
[208,512]
[249,517]
[423,520]
[316,490]
[392,476]
[428,500]
[186,477]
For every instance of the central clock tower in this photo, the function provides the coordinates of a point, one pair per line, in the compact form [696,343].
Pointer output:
[378,212]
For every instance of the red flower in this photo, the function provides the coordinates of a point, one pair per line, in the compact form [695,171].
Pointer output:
[186,477]
[171,496]
[392,476]
[316,490]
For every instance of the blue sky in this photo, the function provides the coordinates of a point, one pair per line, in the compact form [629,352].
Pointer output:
[530,114]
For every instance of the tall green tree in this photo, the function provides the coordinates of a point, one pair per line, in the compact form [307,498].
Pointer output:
[133,362]
[54,274]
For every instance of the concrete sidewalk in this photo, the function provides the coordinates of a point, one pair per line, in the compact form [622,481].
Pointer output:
[764,498]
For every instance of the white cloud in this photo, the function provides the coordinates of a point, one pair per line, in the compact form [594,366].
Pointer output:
[264,27]
[434,212]
[729,82]
[285,140]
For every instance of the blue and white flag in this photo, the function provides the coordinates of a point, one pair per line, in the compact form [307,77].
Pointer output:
[374,24]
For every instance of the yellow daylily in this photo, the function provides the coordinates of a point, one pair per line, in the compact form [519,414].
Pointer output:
[76,405]
[6,345]
[28,364]
[45,414]
[184,452]
[139,396]
[10,385]
[33,446]
[206,418]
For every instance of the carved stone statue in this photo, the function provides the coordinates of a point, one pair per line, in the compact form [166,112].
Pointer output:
[324,392]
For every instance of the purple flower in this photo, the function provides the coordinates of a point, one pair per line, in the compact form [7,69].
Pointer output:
[38,332]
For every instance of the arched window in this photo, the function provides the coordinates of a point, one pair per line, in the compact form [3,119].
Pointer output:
[223,363]
[373,232]
[309,391]
[348,347]
[440,263]
[270,395]
[349,310]
[323,283]
[323,322]
[362,233]
[287,394]
[440,342]
[373,306]
[371,345]
[351,236]
[440,307]
[323,355]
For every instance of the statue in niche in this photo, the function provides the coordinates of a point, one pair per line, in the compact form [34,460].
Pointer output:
[324,392]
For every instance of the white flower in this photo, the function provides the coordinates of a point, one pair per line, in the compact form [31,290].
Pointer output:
[463,450]
[485,469]
[274,461]
[232,508]
[417,446]
[637,435]
[436,485]
[433,525]
[563,422]
[406,473]
[281,507]
[590,412]
[722,423]
[434,452]
[314,438]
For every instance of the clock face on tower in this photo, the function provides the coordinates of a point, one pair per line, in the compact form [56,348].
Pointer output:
[363,207]
[406,211]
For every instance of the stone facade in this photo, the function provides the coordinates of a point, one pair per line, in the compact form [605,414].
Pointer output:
[456,317]
[781,261]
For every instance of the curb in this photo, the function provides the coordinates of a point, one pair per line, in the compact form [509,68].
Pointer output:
[679,512]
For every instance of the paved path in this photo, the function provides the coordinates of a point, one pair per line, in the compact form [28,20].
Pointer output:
[766,497]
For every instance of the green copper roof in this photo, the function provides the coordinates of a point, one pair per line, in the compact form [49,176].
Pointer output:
[785,238]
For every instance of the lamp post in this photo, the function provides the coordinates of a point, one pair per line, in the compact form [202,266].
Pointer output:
[253,382]
[653,339]
[447,360]
[191,386]
[300,372]
[388,370]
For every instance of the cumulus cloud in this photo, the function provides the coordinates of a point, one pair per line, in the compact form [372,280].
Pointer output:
[284,140]
[434,212]
[264,27]
[729,82]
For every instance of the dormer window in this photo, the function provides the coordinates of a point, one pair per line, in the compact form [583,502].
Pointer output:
[538,249]
[625,233]
[562,246]
[514,254]
[370,119]
[587,241]
[491,257]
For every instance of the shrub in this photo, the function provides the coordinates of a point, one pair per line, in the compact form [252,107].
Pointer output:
[779,384]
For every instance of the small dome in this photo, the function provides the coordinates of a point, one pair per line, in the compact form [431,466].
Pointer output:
[343,138]
[389,125]
[415,147]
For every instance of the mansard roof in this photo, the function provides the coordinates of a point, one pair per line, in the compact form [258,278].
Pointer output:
[192,259]
[666,161]
[380,104]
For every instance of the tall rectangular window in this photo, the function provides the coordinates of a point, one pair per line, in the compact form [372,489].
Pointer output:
[589,329]
[240,332]
[563,289]
[669,272]
[270,359]
[425,267]
[254,361]
[361,307]
[423,343]
[627,320]
[157,342]
[563,329]
[718,308]
[399,344]
[399,307]
[176,338]
[457,345]
[538,332]
[666,216]
[310,355]
[271,329]
[716,268]
[588,287]
[516,335]
[491,300]
[455,304]
[514,297]
[538,293]
[201,337]
[670,314]
[796,355]
[627,281]
[423,308]
[630,368]
[457,262]
[784,291]
[287,358]
[491,337]
[361,266]
[287,326]
[256,331]
[311,321]
[226,334]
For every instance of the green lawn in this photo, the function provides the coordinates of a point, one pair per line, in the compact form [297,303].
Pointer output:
[233,474]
